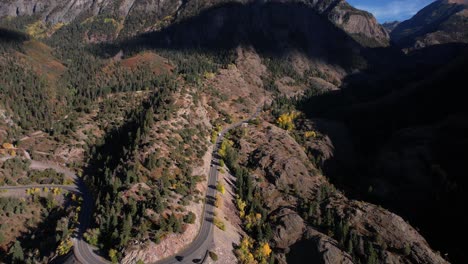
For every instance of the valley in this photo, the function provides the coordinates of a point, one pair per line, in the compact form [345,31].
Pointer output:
[231,131]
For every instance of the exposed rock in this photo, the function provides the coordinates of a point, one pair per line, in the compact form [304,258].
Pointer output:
[282,161]
[273,154]
[328,250]
[391,232]
[444,21]
[289,228]
[357,23]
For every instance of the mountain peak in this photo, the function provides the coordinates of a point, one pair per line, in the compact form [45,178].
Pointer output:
[438,23]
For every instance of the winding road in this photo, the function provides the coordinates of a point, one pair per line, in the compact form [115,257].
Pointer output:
[195,253]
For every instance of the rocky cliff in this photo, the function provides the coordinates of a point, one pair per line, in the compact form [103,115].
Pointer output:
[133,16]
[338,229]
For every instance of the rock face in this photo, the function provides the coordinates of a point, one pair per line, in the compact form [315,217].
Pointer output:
[444,21]
[290,228]
[55,11]
[286,176]
[359,24]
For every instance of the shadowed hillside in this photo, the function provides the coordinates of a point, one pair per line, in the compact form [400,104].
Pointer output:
[409,131]
[272,29]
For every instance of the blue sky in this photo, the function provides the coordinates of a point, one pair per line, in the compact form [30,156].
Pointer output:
[390,10]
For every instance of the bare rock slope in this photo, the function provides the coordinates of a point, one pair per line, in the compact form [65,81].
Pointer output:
[286,178]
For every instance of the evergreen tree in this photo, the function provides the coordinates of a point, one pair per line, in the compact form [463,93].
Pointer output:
[16,252]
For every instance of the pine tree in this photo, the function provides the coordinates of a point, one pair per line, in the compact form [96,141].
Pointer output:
[17,254]
[126,230]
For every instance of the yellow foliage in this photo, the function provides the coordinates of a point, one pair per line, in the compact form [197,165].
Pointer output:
[114,22]
[68,181]
[13,153]
[32,191]
[309,134]
[37,29]
[214,136]
[8,146]
[241,205]
[258,216]
[286,120]
[56,191]
[40,29]
[168,18]
[45,190]
[224,145]
[57,27]
[252,219]
[218,223]
[220,187]
[263,252]
[64,246]
[244,253]
[209,75]
[113,255]
[219,201]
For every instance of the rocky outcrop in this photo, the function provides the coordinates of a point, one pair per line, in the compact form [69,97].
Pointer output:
[289,228]
[328,250]
[361,25]
[286,176]
[391,232]
[444,21]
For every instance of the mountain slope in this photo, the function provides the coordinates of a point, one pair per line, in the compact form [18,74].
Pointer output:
[390,26]
[108,19]
[444,21]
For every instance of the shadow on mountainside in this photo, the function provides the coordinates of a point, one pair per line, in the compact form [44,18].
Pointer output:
[10,36]
[409,129]
[405,112]
[272,29]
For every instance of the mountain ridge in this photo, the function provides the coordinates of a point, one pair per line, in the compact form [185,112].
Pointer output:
[444,21]
[131,17]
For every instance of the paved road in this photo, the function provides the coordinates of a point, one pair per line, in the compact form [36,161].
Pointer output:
[204,240]
[83,252]
[194,253]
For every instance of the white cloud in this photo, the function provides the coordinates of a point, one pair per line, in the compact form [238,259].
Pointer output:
[395,10]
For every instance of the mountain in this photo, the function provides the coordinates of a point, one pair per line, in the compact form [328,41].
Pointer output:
[444,21]
[390,26]
[108,19]
[305,134]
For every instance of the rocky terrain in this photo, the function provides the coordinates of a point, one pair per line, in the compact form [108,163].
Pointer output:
[126,18]
[286,177]
[357,157]
[444,21]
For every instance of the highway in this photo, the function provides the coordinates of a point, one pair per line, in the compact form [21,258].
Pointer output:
[194,253]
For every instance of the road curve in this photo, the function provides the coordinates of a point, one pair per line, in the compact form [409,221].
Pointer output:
[196,251]
[83,252]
